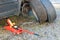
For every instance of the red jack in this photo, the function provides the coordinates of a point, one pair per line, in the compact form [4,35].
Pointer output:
[15,29]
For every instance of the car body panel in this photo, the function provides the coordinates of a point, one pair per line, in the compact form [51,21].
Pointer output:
[9,8]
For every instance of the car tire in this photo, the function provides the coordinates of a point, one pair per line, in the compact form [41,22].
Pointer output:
[39,10]
[50,10]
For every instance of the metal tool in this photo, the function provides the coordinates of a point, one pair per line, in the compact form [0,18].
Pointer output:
[15,29]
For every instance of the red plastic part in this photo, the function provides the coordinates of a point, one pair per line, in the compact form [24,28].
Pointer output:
[13,30]
[19,31]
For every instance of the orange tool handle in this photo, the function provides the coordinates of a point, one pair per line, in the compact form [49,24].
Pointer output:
[31,32]
[9,22]
[28,32]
